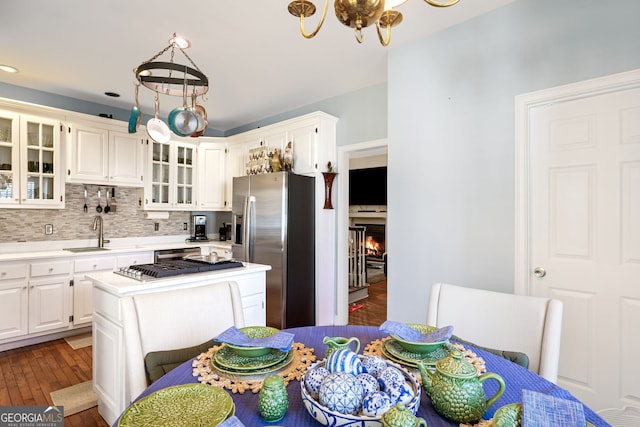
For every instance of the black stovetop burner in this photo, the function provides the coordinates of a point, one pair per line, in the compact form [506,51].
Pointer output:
[171,268]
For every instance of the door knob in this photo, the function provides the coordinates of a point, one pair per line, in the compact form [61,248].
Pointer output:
[539,272]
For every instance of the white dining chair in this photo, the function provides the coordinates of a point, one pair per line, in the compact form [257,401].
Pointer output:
[175,320]
[519,323]
[628,416]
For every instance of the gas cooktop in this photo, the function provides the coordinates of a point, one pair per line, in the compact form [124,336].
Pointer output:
[170,268]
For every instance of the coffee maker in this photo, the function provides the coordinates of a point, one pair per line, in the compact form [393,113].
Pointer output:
[198,228]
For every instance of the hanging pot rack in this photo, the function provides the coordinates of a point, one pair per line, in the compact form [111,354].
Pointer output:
[165,78]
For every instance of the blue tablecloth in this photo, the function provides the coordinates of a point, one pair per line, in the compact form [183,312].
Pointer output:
[515,377]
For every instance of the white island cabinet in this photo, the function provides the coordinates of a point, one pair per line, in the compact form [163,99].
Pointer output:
[111,291]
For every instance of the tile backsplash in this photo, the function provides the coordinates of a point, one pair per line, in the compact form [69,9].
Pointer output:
[73,223]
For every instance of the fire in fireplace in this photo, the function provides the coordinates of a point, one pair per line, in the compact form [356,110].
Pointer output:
[374,241]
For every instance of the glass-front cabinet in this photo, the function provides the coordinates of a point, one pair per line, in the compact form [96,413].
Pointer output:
[29,161]
[172,184]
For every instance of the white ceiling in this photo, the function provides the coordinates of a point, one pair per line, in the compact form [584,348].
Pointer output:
[257,62]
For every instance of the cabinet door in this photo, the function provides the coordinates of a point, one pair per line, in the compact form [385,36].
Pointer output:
[158,177]
[82,300]
[14,309]
[41,180]
[88,154]
[185,176]
[9,158]
[48,304]
[126,159]
[253,308]
[303,139]
[212,181]
[109,367]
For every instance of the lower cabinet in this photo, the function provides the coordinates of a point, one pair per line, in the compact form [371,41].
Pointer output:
[34,297]
[82,288]
[14,308]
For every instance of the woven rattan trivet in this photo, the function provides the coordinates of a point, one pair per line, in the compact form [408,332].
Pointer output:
[207,372]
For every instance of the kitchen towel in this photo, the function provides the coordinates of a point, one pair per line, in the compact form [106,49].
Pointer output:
[542,410]
[281,340]
[407,333]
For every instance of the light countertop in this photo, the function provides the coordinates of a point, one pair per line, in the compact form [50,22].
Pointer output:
[25,251]
[121,285]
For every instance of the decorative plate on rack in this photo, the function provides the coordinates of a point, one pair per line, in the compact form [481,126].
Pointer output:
[227,358]
[188,404]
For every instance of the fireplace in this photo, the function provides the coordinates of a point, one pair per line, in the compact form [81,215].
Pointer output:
[374,242]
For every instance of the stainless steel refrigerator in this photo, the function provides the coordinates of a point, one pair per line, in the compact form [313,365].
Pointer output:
[274,224]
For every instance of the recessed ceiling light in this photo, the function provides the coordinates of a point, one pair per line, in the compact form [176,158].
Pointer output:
[8,68]
[112,94]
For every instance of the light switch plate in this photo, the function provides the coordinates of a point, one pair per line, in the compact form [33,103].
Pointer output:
[48,229]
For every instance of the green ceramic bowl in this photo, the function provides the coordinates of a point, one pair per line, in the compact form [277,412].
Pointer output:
[419,347]
[254,332]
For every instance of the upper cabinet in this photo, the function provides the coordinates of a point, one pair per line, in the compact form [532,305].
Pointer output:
[212,182]
[171,176]
[105,155]
[30,167]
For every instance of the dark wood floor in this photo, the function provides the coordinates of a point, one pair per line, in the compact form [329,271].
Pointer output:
[29,374]
[374,307]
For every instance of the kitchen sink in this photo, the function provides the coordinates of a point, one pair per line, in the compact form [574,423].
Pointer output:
[87,249]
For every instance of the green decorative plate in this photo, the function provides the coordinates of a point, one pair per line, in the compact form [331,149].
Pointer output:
[392,349]
[227,358]
[188,404]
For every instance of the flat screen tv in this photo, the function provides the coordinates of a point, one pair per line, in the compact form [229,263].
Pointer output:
[368,186]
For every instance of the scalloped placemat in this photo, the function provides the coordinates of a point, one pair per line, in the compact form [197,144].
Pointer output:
[207,373]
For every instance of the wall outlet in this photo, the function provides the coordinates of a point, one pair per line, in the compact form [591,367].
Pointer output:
[156,226]
[48,229]
[184,225]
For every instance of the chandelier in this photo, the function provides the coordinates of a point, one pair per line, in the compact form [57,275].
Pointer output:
[174,79]
[359,14]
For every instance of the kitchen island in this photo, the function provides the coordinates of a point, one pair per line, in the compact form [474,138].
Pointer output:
[112,346]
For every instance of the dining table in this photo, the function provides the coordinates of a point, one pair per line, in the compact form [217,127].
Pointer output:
[515,377]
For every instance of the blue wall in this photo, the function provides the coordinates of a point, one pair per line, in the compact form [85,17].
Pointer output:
[451,134]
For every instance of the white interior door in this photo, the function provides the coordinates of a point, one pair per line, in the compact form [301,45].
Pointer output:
[585,234]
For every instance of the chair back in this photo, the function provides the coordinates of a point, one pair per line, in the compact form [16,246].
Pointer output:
[527,324]
[175,319]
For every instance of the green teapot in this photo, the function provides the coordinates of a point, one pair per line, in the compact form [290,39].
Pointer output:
[337,343]
[456,390]
[400,416]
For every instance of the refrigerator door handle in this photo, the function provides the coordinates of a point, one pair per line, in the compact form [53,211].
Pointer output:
[249,216]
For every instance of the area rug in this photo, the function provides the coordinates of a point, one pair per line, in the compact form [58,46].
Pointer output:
[76,398]
[79,341]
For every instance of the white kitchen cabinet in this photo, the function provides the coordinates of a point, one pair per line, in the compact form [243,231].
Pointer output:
[212,183]
[30,167]
[83,288]
[14,302]
[105,155]
[171,176]
[49,295]
[109,375]
[303,137]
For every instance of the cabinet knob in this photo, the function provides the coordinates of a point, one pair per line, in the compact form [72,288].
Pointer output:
[95,266]
[4,273]
[50,269]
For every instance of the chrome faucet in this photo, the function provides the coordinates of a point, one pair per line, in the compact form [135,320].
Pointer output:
[97,223]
